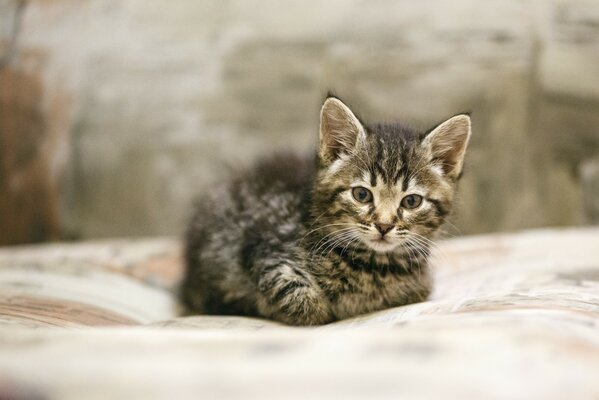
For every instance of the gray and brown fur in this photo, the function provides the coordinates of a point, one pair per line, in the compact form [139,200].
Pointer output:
[286,240]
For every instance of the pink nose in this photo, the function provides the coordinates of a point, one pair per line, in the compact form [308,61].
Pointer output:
[383,228]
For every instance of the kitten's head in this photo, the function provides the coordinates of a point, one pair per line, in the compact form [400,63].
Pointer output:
[382,185]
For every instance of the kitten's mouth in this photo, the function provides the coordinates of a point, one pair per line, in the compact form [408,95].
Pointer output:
[382,244]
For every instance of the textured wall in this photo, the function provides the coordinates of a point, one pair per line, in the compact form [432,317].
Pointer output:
[143,101]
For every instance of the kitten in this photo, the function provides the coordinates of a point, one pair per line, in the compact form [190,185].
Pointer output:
[307,242]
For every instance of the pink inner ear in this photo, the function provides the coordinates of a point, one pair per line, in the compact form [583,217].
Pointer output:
[449,161]
[338,127]
[448,143]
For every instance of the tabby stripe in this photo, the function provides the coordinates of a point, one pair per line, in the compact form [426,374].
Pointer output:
[441,210]
[402,172]
[379,168]
[286,289]
[336,193]
[371,266]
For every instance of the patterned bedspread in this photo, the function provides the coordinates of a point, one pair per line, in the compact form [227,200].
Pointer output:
[513,316]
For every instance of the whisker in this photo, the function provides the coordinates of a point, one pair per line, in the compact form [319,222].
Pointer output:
[451,224]
[409,255]
[328,235]
[317,218]
[333,236]
[336,242]
[438,253]
[412,244]
[325,226]
[343,237]
[350,242]
[350,237]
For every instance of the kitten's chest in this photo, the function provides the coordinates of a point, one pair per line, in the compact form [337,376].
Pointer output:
[358,292]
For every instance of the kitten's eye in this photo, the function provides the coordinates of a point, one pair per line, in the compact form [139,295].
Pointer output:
[411,201]
[362,194]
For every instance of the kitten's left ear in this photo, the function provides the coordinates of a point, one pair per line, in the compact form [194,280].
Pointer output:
[340,130]
[447,143]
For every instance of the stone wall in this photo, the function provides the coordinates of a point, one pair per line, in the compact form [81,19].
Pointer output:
[142,103]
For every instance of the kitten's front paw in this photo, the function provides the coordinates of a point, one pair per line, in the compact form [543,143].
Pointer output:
[303,308]
[297,302]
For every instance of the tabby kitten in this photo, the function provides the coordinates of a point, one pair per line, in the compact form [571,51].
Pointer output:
[307,242]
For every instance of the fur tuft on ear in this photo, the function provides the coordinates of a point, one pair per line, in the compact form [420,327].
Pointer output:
[447,143]
[340,130]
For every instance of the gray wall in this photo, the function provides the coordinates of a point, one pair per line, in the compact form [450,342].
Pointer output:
[144,101]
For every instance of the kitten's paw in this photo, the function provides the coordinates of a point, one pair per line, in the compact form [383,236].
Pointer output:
[303,308]
[297,302]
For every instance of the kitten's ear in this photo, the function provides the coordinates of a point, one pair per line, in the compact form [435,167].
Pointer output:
[447,143]
[340,130]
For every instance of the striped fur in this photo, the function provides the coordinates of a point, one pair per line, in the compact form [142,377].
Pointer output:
[286,240]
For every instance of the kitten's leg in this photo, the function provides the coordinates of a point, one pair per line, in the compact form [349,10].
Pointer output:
[290,294]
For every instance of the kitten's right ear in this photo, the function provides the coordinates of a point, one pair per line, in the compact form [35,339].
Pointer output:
[340,130]
[447,143]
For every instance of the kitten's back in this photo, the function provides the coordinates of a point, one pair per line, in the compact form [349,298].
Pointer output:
[252,206]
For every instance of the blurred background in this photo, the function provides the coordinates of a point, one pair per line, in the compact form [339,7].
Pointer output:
[114,114]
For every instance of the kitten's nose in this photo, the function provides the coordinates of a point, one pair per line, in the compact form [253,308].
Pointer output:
[383,228]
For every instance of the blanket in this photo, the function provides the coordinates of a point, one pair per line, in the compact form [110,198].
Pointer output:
[511,316]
